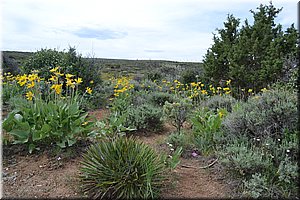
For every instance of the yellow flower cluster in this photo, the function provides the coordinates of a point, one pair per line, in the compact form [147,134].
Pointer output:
[56,81]
[122,85]
[69,81]
[8,77]
[195,89]
[28,80]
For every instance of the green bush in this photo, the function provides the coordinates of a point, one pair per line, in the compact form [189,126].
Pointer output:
[139,98]
[145,116]
[69,62]
[10,90]
[284,184]
[45,60]
[256,187]
[275,159]
[159,98]
[154,75]
[264,115]
[189,76]
[122,169]
[207,129]
[176,140]
[177,112]
[110,128]
[100,96]
[244,159]
[217,102]
[149,85]
[121,103]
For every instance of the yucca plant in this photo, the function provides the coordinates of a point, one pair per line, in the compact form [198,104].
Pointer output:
[122,168]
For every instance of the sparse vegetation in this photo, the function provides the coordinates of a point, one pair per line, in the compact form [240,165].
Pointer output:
[239,106]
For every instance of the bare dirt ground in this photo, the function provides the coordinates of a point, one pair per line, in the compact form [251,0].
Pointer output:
[51,174]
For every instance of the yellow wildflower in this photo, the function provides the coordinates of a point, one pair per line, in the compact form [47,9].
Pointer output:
[29,95]
[228,82]
[22,80]
[57,88]
[250,90]
[69,82]
[58,74]
[91,82]
[21,83]
[203,91]
[221,114]
[53,78]
[54,69]
[30,85]
[226,89]
[193,84]
[264,89]
[84,123]
[69,76]
[32,77]
[89,90]
[78,80]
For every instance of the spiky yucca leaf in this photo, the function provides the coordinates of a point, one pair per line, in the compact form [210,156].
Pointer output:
[123,168]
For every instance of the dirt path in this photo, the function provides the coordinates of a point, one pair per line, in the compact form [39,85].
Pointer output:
[190,181]
[43,175]
[195,183]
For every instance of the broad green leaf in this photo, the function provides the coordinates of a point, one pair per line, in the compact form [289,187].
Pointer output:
[8,123]
[21,136]
[36,135]
[46,128]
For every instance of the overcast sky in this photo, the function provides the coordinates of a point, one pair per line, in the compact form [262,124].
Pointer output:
[179,30]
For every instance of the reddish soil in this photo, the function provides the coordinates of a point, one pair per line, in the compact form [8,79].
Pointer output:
[56,176]
[39,176]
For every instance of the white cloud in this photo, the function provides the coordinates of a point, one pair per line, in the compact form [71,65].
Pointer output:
[135,29]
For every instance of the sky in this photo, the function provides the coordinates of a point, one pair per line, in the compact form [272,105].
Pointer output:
[178,30]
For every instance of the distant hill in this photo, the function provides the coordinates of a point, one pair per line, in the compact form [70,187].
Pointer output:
[12,60]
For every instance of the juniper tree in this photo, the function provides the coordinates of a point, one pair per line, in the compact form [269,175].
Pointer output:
[252,56]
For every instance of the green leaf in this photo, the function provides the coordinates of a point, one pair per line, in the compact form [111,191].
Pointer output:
[8,123]
[21,136]
[36,135]
[71,141]
[46,128]
[73,109]
[62,144]
[31,148]
[21,132]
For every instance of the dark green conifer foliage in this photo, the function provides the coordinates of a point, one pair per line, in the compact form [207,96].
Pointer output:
[252,56]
